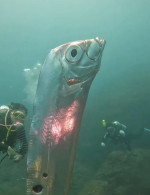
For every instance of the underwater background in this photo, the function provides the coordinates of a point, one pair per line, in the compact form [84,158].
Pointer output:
[120,91]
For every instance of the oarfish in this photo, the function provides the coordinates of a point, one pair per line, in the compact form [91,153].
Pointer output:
[62,90]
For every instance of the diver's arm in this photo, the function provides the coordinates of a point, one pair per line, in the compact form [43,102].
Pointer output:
[20,146]
[103,141]
[8,149]
[120,125]
[11,152]
[3,146]
[21,141]
[121,128]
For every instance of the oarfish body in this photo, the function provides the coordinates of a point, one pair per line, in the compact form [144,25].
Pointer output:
[62,90]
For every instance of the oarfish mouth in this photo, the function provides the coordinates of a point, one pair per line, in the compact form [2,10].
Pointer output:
[73,81]
[88,77]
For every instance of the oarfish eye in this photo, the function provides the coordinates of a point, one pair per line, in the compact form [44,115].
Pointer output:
[73,53]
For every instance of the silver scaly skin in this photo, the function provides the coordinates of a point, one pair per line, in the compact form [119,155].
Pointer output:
[62,90]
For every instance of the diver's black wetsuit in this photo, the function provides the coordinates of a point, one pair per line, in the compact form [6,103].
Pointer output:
[13,137]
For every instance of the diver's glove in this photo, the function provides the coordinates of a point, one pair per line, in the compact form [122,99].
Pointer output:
[17,157]
[13,154]
[103,144]
[122,133]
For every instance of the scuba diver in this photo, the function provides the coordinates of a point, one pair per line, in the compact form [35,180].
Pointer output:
[117,133]
[12,132]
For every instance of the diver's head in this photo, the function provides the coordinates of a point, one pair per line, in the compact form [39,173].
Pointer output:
[110,127]
[18,112]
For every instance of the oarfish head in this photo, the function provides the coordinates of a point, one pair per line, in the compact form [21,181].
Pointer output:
[80,61]
[68,70]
